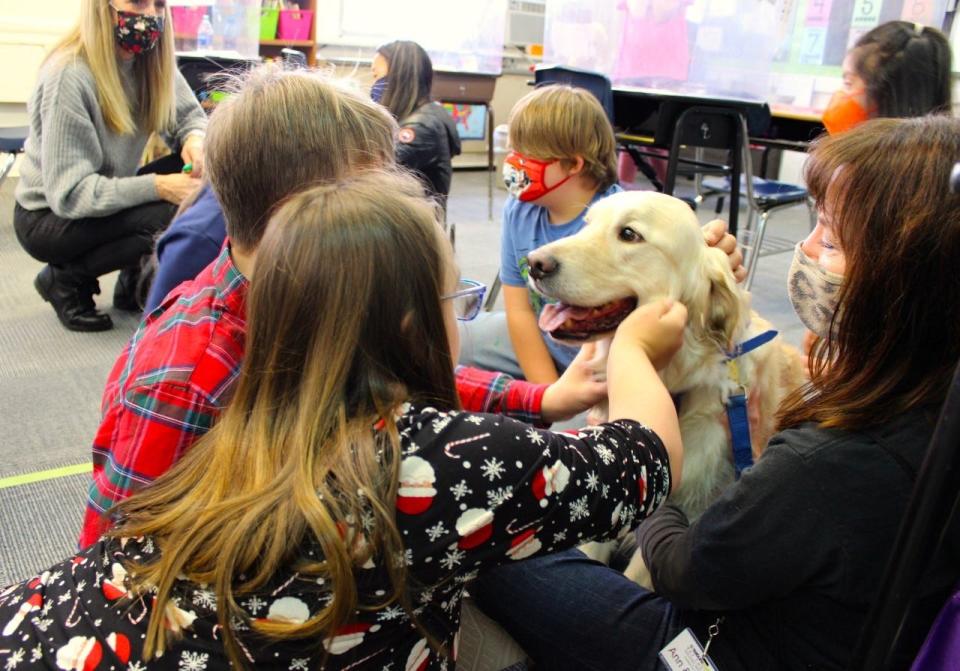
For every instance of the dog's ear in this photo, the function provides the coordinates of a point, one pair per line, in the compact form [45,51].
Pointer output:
[725,308]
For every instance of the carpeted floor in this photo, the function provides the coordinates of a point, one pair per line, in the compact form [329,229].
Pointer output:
[51,379]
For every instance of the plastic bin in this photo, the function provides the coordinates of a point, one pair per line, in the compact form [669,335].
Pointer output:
[294,24]
[186,20]
[268,23]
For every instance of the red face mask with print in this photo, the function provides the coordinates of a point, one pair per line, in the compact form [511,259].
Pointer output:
[524,177]
[843,113]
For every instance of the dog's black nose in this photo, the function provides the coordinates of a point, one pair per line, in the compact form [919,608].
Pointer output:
[542,265]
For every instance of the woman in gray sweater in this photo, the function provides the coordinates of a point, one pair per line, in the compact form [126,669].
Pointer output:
[82,207]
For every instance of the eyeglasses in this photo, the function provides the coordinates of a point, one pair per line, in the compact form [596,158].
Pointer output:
[467,299]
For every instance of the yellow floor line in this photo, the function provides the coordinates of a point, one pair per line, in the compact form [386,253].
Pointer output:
[40,476]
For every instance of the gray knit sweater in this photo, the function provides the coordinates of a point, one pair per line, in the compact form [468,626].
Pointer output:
[73,163]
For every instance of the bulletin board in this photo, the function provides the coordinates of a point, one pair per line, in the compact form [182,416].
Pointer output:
[787,52]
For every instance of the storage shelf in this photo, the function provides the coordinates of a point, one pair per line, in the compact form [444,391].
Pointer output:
[287,43]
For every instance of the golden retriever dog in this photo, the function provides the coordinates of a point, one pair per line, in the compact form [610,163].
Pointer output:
[639,246]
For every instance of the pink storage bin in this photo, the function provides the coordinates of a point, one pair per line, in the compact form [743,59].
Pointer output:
[186,20]
[294,24]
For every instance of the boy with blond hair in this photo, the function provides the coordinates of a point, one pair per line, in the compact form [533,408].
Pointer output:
[563,159]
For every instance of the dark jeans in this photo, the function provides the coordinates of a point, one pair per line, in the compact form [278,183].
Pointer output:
[569,612]
[95,246]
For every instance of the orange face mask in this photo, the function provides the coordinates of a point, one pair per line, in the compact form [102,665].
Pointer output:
[843,113]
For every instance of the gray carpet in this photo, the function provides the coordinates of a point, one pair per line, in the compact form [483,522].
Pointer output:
[51,379]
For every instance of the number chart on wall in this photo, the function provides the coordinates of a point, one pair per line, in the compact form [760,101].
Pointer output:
[823,30]
[817,35]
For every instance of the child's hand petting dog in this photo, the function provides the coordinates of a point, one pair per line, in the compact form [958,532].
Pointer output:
[657,327]
[715,235]
[578,389]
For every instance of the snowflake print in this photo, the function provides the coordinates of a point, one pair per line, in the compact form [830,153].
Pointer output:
[367,520]
[254,604]
[136,666]
[148,546]
[475,419]
[605,454]
[54,577]
[579,509]
[535,436]
[63,598]
[37,653]
[492,468]
[436,531]
[299,664]
[81,585]
[605,491]
[460,490]
[193,661]
[404,558]
[390,613]
[15,658]
[205,599]
[593,481]
[454,557]
[411,448]
[559,536]
[426,596]
[496,497]
[42,623]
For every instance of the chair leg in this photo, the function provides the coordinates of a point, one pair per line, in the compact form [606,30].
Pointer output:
[492,294]
[8,161]
[812,213]
[757,247]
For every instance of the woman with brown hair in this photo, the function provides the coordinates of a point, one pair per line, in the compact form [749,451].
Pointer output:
[334,514]
[428,139]
[82,207]
[781,570]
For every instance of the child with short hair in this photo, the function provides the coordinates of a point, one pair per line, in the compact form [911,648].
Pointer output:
[563,159]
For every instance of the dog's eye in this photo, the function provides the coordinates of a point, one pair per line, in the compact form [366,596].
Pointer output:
[627,234]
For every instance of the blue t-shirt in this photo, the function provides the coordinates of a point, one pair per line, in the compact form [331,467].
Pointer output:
[189,244]
[526,227]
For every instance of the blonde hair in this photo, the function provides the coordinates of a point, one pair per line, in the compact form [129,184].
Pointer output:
[345,324]
[283,130]
[560,122]
[92,40]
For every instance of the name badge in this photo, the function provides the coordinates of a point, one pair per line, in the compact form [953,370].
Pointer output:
[684,653]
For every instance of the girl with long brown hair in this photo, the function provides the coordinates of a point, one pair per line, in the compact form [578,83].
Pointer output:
[780,572]
[335,513]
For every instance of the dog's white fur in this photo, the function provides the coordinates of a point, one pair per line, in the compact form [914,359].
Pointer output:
[596,266]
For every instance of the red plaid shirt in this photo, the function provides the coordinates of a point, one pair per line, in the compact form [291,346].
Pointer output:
[177,373]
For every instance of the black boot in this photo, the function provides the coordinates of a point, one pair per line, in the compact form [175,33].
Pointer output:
[72,299]
[125,291]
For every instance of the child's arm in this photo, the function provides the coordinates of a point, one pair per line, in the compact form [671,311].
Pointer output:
[532,353]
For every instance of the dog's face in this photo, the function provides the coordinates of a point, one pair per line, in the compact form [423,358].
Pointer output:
[635,247]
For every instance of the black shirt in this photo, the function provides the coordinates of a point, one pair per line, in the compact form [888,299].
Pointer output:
[792,554]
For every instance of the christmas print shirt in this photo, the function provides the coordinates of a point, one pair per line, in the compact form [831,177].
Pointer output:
[475,491]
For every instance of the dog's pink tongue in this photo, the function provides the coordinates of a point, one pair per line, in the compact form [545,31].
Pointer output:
[555,315]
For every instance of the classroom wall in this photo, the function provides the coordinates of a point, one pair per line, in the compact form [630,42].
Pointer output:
[27,30]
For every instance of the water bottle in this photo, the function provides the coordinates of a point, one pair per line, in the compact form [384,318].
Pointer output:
[205,34]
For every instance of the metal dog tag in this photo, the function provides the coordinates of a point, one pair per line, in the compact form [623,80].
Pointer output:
[684,653]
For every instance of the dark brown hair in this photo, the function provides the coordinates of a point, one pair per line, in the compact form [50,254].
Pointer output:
[344,325]
[281,131]
[409,77]
[906,69]
[895,337]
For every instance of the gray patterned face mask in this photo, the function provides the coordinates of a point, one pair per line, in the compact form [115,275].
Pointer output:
[813,292]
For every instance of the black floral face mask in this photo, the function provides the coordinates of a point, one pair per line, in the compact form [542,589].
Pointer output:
[137,33]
